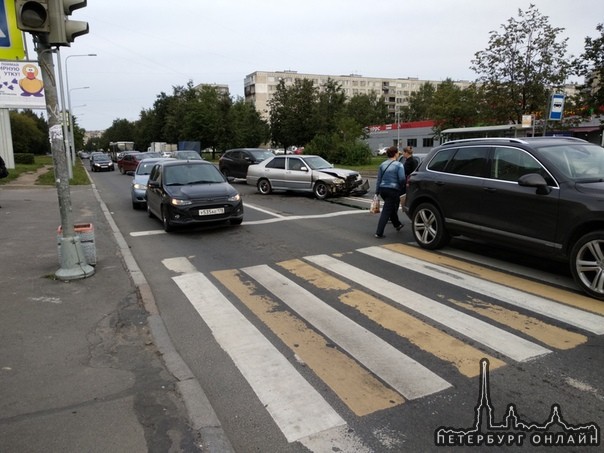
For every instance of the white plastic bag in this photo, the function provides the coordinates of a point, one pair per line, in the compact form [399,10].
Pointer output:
[375,205]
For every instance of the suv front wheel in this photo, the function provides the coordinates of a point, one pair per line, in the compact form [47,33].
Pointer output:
[587,263]
[429,227]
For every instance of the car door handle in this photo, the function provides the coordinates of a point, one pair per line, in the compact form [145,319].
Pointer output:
[490,189]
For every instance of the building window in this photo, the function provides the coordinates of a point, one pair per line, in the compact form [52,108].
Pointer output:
[428,142]
[412,142]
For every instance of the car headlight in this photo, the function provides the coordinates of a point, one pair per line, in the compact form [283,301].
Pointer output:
[177,202]
[138,186]
[235,197]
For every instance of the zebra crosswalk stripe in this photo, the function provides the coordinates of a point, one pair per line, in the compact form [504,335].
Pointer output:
[497,339]
[401,372]
[295,406]
[589,322]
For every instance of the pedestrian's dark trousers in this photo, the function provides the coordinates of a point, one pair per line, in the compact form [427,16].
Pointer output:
[392,200]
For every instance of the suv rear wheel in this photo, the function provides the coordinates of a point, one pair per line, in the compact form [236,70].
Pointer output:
[587,263]
[429,227]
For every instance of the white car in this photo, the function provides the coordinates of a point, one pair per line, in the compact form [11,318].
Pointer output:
[305,173]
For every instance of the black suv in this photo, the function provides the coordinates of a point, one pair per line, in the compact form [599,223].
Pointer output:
[541,195]
[234,162]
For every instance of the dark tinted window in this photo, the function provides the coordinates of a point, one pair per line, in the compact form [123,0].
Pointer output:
[509,164]
[277,162]
[441,159]
[469,161]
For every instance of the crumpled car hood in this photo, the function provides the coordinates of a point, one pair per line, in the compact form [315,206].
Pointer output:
[337,172]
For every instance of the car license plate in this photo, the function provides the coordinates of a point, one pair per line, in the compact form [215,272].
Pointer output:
[213,211]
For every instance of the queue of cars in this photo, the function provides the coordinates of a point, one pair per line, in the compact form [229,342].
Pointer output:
[541,195]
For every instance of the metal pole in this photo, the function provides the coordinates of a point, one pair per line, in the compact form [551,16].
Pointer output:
[69,160]
[73,261]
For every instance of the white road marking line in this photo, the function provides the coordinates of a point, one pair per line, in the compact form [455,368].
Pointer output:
[554,310]
[146,233]
[402,373]
[305,217]
[296,407]
[493,337]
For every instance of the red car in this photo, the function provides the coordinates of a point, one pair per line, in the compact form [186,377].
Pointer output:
[128,162]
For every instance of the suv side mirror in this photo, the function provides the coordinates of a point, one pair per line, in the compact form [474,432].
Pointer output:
[535,180]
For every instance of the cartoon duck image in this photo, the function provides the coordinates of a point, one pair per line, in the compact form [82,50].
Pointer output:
[30,85]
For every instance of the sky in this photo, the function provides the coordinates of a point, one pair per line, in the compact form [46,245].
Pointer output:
[146,47]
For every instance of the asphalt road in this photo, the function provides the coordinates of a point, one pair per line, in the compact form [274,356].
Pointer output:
[307,333]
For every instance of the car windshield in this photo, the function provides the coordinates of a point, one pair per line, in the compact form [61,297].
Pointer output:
[581,162]
[144,168]
[317,163]
[101,158]
[261,155]
[187,155]
[182,175]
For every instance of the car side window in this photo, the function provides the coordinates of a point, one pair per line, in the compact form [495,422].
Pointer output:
[277,162]
[294,164]
[154,175]
[509,164]
[469,161]
[441,159]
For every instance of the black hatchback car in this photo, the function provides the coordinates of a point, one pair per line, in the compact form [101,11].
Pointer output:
[542,195]
[187,192]
[234,162]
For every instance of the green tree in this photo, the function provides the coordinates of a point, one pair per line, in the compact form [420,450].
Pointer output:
[246,128]
[522,64]
[455,107]
[591,66]
[292,113]
[367,109]
[420,104]
[343,146]
[29,132]
[331,102]
[120,130]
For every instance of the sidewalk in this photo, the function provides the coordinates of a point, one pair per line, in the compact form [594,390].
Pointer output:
[86,365]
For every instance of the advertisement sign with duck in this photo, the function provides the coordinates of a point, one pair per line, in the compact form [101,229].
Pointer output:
[21,85]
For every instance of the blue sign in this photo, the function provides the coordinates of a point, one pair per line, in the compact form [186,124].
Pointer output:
[4,32]
[556,107]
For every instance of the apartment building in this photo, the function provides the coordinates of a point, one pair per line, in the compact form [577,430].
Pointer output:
[260,86]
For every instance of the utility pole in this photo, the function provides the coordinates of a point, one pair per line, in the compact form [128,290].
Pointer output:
[73,262]
[48,22]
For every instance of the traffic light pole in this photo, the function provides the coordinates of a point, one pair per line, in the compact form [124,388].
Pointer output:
[73,261]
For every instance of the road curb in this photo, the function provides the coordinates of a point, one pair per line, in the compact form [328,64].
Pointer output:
[200,412]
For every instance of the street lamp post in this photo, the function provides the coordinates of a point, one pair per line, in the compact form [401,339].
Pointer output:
[71,142]
[71,139]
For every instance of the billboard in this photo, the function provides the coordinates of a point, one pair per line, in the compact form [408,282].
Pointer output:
[21,85]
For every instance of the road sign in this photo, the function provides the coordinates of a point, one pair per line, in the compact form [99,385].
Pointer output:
[556,107]
[11,39]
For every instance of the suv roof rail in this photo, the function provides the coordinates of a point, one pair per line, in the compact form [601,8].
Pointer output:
[502,139]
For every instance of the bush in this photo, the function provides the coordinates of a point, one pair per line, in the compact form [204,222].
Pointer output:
[24,158]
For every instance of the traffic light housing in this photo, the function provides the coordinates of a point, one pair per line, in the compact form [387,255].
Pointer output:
[62,30]
[33,16]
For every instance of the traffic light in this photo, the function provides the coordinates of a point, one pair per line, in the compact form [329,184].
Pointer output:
[32,16]
[62,30]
